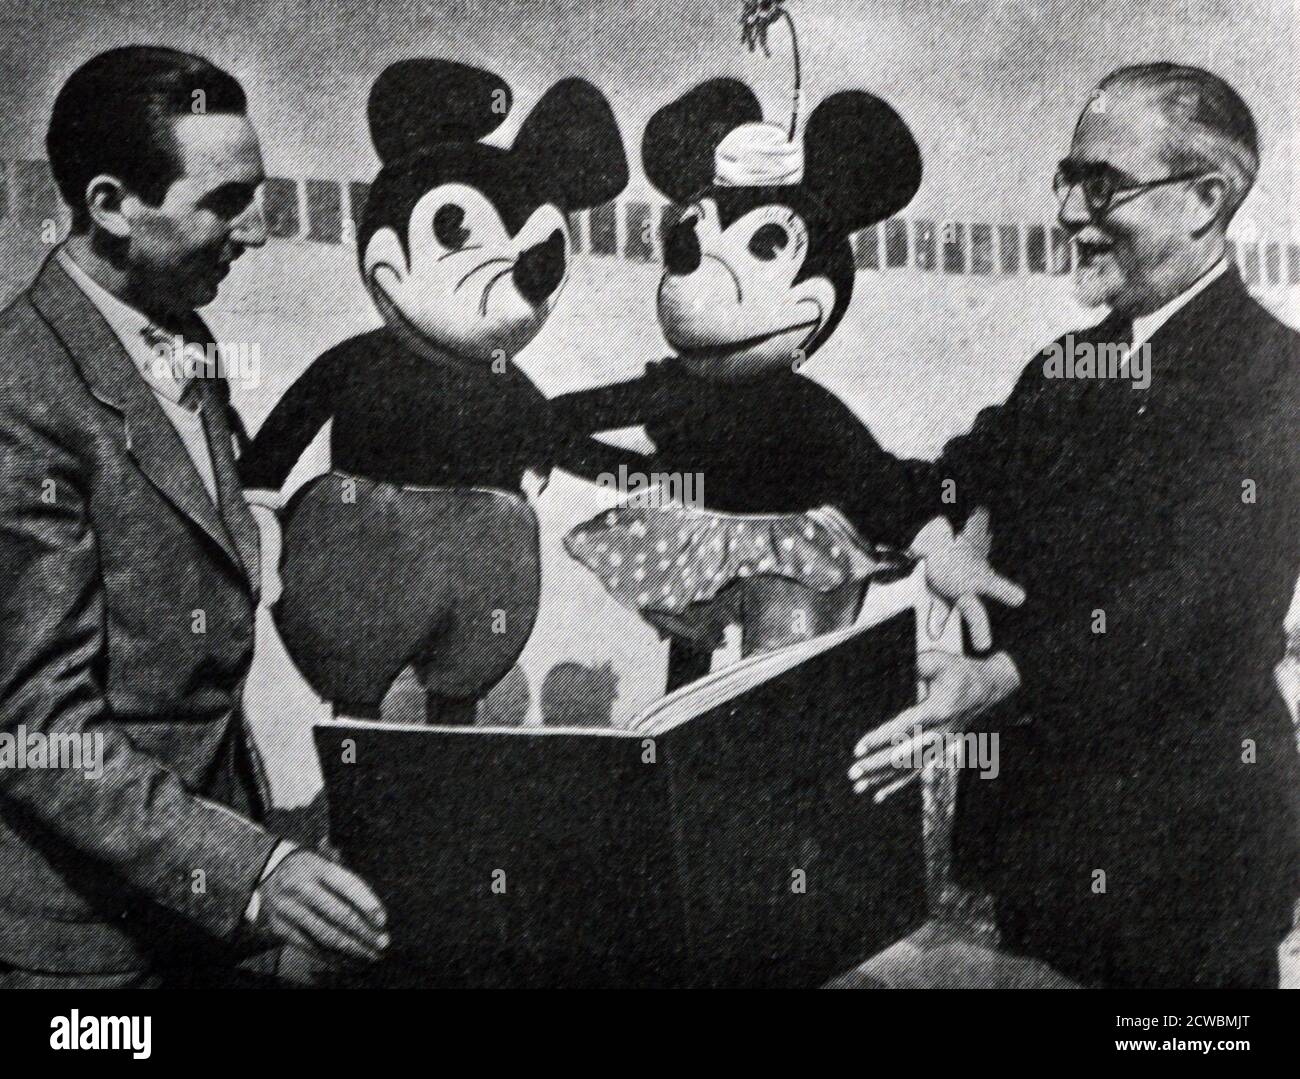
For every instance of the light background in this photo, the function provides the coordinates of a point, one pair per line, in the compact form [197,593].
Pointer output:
[991,87]
[991,92]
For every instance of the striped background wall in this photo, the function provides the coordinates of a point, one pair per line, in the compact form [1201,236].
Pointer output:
[324,211]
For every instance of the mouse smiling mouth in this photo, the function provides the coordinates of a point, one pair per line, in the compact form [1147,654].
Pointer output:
[727,348]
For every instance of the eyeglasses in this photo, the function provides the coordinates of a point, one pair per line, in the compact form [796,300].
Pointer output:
[1102,183]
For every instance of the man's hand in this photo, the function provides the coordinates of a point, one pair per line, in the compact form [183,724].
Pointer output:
[311,903]
[959,688]
[957,569]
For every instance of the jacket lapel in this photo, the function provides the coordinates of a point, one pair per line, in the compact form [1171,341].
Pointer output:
[1203,356]
[230,493]
[148,436]
[1068,436]
[1203,371]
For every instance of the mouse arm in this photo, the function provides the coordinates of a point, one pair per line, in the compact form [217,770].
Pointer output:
[608,408]
[291,426]
[591,459]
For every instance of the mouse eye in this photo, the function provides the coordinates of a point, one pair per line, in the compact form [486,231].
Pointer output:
[449,227]
[768,240]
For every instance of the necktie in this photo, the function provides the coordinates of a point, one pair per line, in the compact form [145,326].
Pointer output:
[1115,329]
[1106,404]
[171,379]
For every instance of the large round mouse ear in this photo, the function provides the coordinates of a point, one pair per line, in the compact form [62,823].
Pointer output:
[860,158]
[416,103]
[571,147]
[680,139]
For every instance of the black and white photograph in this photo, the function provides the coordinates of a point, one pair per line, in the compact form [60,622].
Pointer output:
[719,494]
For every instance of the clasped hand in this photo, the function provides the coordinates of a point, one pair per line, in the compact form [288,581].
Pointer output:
[956,688]
[957,570]
[313,903]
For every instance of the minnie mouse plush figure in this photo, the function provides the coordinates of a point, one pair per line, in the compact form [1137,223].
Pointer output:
[418,548]
[758,272]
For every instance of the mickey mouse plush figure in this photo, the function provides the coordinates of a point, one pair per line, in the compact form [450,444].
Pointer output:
[418,547]
[758,273]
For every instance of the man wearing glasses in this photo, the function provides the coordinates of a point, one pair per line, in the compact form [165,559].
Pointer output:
[1142,831]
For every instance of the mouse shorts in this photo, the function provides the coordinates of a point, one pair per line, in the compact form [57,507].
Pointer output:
[377,577]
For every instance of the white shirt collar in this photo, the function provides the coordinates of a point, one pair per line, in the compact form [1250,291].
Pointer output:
[1146,326]
[129,326]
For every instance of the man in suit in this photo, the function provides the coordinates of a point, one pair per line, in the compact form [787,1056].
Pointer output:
[129,566]
[1142,830]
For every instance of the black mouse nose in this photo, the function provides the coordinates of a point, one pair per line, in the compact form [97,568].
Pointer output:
[682,248]
[539,270]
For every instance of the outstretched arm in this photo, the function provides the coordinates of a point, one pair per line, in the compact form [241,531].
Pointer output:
[292,424]
[607,408]
[591,459]
[917,504]
[978,468]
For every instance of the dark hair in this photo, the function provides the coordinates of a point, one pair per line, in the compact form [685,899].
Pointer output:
[114,115]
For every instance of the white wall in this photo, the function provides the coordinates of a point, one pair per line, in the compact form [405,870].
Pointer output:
[991,87]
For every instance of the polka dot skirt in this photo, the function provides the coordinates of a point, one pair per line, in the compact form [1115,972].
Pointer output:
[665,558]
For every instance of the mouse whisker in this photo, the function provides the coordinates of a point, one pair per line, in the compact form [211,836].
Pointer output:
[460,251]
[482,266]
[482,307]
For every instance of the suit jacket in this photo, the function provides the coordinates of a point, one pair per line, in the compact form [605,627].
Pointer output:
[126,612]
[1158,751]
